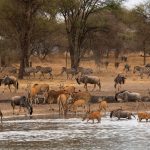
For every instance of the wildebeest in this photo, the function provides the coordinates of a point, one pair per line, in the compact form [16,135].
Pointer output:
[45,70]
[1,115]
[119,113]
[93,115]
[143,115]
[69,71]
[10,80]
[120,79]
[37,89]
[126,96]
[21,101]
[89,79]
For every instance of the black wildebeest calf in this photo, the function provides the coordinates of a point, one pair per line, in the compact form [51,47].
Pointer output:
[89,79]
[21,101]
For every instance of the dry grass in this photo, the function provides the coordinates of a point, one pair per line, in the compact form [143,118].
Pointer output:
[133,83]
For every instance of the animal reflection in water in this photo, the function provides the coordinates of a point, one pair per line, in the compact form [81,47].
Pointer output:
[119,113]
[21,101]
[1,115]
[9,80]
[126,96]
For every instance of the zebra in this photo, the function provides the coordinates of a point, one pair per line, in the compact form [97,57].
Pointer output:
[12,70]
[45,70]
[142,70]
[68,71]
[29,70]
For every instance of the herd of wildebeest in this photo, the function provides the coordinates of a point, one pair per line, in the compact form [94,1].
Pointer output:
[69,99]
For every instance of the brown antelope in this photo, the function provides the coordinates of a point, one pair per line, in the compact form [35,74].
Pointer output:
[62,102]
[69,89]
[143,115]
[36,89]
[103,105]
[78,103]
[93,115]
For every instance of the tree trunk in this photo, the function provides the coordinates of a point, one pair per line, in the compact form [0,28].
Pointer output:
[144,51]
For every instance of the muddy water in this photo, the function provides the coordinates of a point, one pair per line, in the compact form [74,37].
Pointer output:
[64,134]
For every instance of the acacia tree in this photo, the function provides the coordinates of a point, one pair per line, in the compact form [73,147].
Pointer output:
[18,21]
[141,15]
[76,14]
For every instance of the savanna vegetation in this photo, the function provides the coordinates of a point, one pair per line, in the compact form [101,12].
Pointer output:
[79,27]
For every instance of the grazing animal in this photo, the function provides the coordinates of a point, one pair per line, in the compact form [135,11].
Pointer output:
[43,96]
[1,115]
[143,115]
[68,71]
[37,89]
[89,79]
[29,70]
[78,103]
[93,115]
[10,80]
[119,113]
[21,101]
[142,71]
[12,70]
[120,79]
[85,71]
[45,70]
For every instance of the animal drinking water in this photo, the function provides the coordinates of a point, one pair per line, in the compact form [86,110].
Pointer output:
[21,101]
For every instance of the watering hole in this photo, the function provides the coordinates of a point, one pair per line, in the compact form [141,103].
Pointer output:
[42,133]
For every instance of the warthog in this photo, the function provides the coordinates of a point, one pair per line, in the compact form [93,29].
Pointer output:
[93,115]
[119,113]
[89,79]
